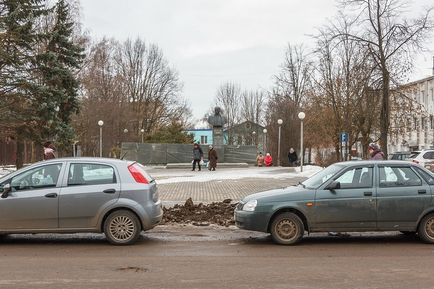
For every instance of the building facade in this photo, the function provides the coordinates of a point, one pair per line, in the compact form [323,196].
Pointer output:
[417,127]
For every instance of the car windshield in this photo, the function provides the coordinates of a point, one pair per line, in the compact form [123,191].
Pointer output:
[322,176]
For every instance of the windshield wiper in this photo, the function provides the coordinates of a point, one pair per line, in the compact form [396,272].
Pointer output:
[301,184]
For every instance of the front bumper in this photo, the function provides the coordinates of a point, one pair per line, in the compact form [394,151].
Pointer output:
[252,221]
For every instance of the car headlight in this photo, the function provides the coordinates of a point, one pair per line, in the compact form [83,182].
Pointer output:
[250,206]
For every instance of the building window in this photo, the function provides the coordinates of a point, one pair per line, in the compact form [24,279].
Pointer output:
[203,139]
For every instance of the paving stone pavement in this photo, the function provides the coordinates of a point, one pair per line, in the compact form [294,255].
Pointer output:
[219,190]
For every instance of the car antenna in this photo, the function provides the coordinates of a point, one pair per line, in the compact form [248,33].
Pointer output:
[122,157]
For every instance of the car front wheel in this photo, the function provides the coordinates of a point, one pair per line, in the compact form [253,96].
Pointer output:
[122,228]
[426,229]
[287,229]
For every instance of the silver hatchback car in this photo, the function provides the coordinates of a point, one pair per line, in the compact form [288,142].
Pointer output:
[71,195]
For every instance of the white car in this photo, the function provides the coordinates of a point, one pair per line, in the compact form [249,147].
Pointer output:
[422,157]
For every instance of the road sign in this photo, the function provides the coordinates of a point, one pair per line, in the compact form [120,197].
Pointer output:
[344,137]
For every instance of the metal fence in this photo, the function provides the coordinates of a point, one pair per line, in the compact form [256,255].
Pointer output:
[148,153]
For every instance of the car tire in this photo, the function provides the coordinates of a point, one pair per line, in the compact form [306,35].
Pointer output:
[122,228]
[426,229]
[287,229]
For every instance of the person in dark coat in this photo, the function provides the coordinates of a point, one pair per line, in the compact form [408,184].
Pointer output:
[197,156]
[212,158]
[375,152]
[292,157]
[49,151]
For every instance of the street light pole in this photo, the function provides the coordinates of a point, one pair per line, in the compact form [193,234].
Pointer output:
[100,123]
[265,140]
[142,131]
[301,116]
[279,122]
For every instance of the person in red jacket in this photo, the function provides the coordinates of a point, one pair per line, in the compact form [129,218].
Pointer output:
[268,160]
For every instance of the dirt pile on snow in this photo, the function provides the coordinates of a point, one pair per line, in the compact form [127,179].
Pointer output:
[220,213]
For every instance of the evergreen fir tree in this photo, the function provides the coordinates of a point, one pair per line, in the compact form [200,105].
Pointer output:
[57,89]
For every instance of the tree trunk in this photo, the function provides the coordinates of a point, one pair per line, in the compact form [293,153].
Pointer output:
[385,111]
[19,161]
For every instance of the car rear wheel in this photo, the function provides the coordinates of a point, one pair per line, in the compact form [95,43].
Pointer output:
[287,229]
[122,228]
[426,229]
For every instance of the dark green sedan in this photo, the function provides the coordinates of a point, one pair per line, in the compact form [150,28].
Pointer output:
[346,197]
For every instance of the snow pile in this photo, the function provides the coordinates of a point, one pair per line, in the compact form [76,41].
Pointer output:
[6,170]
[168,177]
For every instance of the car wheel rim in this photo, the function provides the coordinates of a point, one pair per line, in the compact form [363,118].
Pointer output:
[429,228]
[122,228]
[286,230]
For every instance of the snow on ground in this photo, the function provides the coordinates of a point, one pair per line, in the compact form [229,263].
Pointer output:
[169,176]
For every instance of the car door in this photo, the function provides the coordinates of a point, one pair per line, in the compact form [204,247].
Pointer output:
[89,189]
[401,197]
[350,207]
[32,203]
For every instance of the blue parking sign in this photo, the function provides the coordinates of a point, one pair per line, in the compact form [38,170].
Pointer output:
[344,137]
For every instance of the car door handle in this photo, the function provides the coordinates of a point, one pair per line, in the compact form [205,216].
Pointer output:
[420,192]
[51,195]
[367,194]
[109,191]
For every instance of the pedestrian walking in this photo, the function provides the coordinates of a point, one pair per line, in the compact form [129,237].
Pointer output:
[268,160]
[197,156]
[212,158]
[260,160]
[292,157]
[375,152]
[49,151]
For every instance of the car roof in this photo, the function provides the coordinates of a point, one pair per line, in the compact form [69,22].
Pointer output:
[84,159]
[371,162]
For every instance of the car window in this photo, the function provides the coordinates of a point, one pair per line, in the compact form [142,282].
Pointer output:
[37,178]
[398,177]
[428,177]
[356,178]
[428,155]
[90,174]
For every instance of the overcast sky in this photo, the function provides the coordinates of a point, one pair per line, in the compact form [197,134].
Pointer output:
[210,42]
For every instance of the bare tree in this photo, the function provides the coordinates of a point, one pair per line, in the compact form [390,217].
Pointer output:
[292,85]
[390,38]
[253,106]
[228,98]
[150,85]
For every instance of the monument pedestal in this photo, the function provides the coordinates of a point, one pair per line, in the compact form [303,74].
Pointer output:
[218,141]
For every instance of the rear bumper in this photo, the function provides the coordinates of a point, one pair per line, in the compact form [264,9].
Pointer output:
[155,215]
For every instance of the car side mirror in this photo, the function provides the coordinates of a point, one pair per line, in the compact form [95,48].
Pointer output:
[5,190]
[334,185]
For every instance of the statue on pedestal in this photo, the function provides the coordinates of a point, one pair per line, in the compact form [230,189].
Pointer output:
[217,120]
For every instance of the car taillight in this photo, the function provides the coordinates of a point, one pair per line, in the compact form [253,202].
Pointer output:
[415,161]
[138,177]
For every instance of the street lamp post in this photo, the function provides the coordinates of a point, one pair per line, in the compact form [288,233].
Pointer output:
[279,122]
[301,116]
[100,123]
[265,140]
[142,131]
[254,140]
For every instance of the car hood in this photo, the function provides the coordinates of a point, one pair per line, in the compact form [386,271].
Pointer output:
[294,193]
